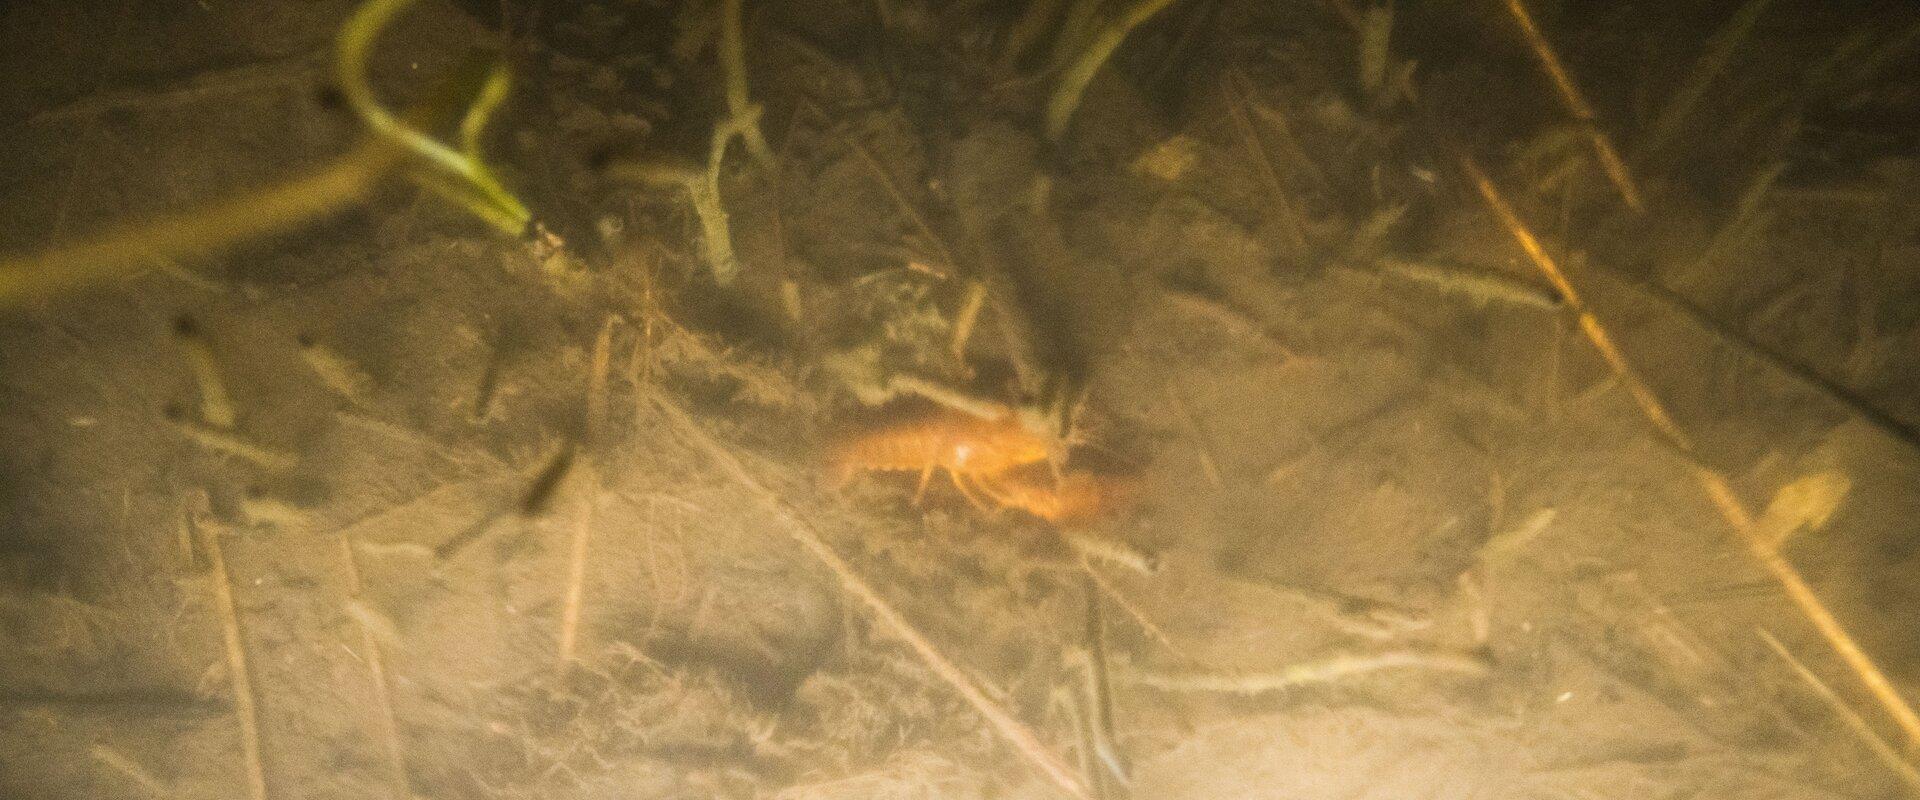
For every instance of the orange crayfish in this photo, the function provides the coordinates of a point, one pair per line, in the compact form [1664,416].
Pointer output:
[983,457]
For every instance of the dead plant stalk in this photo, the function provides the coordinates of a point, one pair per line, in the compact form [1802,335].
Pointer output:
[1577,105]
[583,520]
[1718,489]
[1851,718]
[376,661]
[246,710]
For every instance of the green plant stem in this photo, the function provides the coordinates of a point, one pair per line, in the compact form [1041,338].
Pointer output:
[483,194]
[1073,83]
[248,216]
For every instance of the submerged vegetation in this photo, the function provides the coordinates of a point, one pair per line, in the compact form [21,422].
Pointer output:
[1275,353]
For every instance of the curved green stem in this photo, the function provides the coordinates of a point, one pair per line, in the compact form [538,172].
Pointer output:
[1066,98]
[273,210]
[481,193]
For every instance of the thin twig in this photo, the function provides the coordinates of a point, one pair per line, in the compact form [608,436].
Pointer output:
[223,441]
[1073,82]
[1577,105]
[131,769]
[246,711]
[338,372]
[1312,672]
[964,319]
[1202,444]
[597,372]
[1100,686]
[1016,733]
[1719,490]
[216,403]
[1290,220]
[906,206]
[375,658]
[1708,69]
[588,484]
[1881,750]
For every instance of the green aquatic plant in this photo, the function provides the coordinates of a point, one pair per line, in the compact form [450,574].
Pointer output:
[459,174]
[1080,71]
[395,143]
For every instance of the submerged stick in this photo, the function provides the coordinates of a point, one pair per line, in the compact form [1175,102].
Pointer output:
[1708,69]
[1017,734]
[216,403]
[1312,672]
[139,775]
[1100,688]
[1719,490]
[577,550]
[219,440]
[1292,224]
[246,711]
[376,662]
[1881,750]
[1577,105]
[338,372]
[703,193]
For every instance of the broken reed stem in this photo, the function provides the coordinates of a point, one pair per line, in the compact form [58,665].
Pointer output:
[1718,489]
[1017,734]
[246,711]
[375,658]
[1202,444]
[597,372]
[1312,672]
[1706,70]
[733,62]
[216,403]
[1069,702]
[1100,685]
[964,319]
[1577,105]
[229,443]
[1881,750]
[340,374]
[139,775]
[588,483]
[1073,82]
